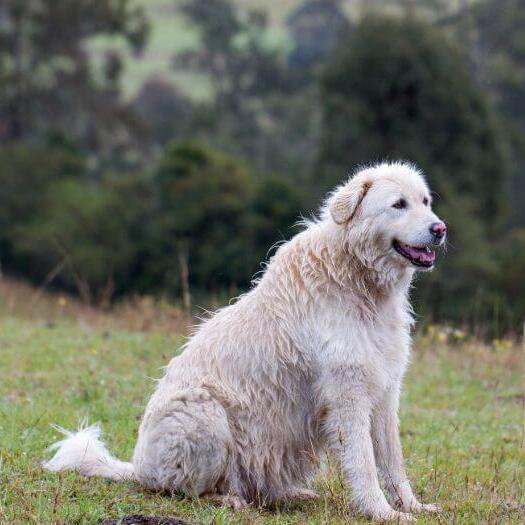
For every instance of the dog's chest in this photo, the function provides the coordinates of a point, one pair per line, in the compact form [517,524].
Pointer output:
[379,345]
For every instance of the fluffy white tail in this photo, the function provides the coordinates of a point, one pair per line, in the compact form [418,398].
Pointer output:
[84,452]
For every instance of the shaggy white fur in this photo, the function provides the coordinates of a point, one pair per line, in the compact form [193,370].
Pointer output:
[84,452]
[311,359]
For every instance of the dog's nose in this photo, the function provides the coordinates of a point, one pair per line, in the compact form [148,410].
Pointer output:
[438,229]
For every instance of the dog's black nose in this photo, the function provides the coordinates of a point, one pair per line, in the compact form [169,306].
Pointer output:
[438,229]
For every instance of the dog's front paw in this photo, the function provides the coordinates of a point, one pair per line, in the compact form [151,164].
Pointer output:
[424,507]
[395,516]
[388,514]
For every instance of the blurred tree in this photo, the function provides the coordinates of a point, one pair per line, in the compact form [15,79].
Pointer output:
[315,27]
[510,281]
[427,9]
[234,53]
[167,113]
[251,88]
[491,33]
[82,236]
[275,210]
[203,196]
[200,218]
[46,76]
[498,63]
[26,174]
[398,89]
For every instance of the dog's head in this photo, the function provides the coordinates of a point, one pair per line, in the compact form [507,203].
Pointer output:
[386,216]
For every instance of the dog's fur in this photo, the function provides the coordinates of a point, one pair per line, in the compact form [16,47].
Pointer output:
[311,359]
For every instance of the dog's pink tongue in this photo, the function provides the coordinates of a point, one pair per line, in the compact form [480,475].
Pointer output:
[421,254]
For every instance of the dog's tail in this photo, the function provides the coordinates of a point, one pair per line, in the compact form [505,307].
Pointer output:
[84,452]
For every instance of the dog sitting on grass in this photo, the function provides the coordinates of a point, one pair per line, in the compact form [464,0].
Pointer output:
[311,359]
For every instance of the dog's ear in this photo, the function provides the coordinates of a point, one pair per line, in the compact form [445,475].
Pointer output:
[344,203]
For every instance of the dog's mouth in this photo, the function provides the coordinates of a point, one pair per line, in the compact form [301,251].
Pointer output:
[421,256]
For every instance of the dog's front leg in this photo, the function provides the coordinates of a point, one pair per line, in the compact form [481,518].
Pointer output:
[389,454]
[348,427]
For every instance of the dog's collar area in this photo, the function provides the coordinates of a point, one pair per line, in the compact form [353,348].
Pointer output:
[421,256]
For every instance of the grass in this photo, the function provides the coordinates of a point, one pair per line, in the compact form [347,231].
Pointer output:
[462,428]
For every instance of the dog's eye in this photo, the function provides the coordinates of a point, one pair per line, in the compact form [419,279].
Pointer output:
[401,204]
[425,201]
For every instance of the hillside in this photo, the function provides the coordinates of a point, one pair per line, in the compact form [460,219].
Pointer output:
[170,34]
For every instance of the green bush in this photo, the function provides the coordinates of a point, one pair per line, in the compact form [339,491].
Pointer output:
[82,234]
[200,213]
[28,175]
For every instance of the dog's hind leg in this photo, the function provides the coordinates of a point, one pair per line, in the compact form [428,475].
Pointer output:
[184,444]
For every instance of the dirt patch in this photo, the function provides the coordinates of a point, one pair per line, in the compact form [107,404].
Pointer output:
[137,519]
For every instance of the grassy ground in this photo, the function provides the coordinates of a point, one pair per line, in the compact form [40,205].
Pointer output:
[462,422]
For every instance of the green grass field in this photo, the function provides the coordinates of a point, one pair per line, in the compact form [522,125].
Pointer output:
[462,428]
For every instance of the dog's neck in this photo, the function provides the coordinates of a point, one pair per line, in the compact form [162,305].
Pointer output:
[319,265]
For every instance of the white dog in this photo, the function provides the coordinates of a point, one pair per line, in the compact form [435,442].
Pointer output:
[311,359]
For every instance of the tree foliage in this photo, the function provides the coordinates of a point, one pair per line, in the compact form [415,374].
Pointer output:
[253,89]
[234,53]
[202,200]
[228,177]
[315,27]
[168,114]
[46,75]
[28,175]
[492,37]
[81,233]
